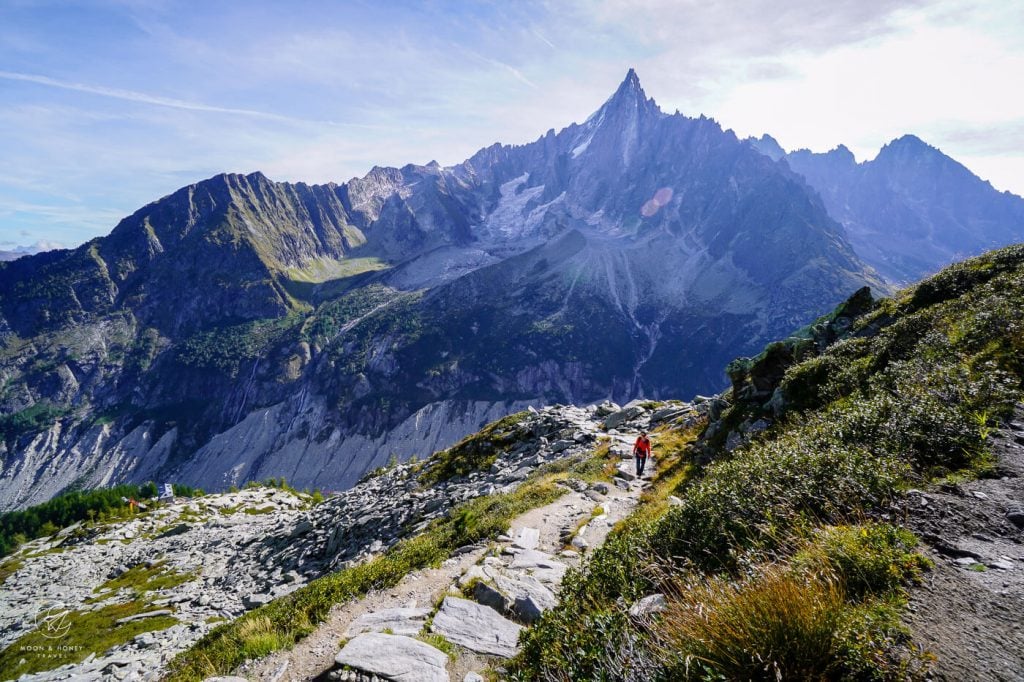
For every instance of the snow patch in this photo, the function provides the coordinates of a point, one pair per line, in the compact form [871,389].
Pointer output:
[507,220]
[589,127]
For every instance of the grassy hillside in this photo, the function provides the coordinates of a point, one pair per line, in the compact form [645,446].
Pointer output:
[778,558]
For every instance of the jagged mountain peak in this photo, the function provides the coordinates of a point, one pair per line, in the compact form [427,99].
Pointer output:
[843,152]
[907,146]
[628,97]
[768,145]
[631,83]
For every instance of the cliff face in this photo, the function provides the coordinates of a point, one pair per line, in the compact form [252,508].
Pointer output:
[244,328]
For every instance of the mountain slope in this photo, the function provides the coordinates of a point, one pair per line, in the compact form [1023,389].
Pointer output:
[912,209]
[240,328]
[870,462]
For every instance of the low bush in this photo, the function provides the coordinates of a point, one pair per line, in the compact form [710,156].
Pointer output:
[475,452]
[869,559]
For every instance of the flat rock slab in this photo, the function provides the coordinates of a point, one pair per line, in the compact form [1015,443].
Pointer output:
[541,566]
[528,538]
[400,621]
[532,558]
[649,606]
[394,657]
[616,419]
[476,627]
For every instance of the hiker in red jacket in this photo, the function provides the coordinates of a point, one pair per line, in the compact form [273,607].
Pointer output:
[641,450]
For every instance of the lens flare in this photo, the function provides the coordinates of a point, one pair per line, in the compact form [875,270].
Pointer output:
[654,204]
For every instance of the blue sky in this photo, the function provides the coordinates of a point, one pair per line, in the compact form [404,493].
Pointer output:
[107,105]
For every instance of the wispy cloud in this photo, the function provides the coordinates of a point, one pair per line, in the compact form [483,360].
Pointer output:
[516,73]
[543,38]
[157,100]
[327,92]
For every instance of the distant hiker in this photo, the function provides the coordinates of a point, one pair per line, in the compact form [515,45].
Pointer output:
[641,450]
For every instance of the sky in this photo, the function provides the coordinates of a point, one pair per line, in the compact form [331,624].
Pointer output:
[107,105]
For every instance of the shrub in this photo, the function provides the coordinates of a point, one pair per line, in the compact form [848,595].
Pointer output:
[869,559]
[758,499]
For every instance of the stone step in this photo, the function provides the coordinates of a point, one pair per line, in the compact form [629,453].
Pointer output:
[516,594]
[626,474]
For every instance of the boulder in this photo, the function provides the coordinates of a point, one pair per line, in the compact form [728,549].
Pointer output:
[490,595]
[253,601]
[617,419]
[394,657]
[528,597]
[648,606]
[476,627]
[301,528]
[670,412]
[626,473]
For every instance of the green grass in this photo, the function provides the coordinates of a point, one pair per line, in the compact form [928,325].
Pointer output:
[778,624]
[324,270]
[870,558]
[89,632]
[773,626]
[475,452]
[8,568]
[439,642]
[142,578]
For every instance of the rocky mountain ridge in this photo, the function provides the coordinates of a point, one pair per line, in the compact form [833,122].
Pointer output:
[241,329]
[912,209]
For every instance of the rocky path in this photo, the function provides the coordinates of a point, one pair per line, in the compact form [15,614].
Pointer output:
[969,612]
[477,602]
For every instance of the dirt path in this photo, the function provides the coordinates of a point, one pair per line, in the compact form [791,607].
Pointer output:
[969,613]
[313,657]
